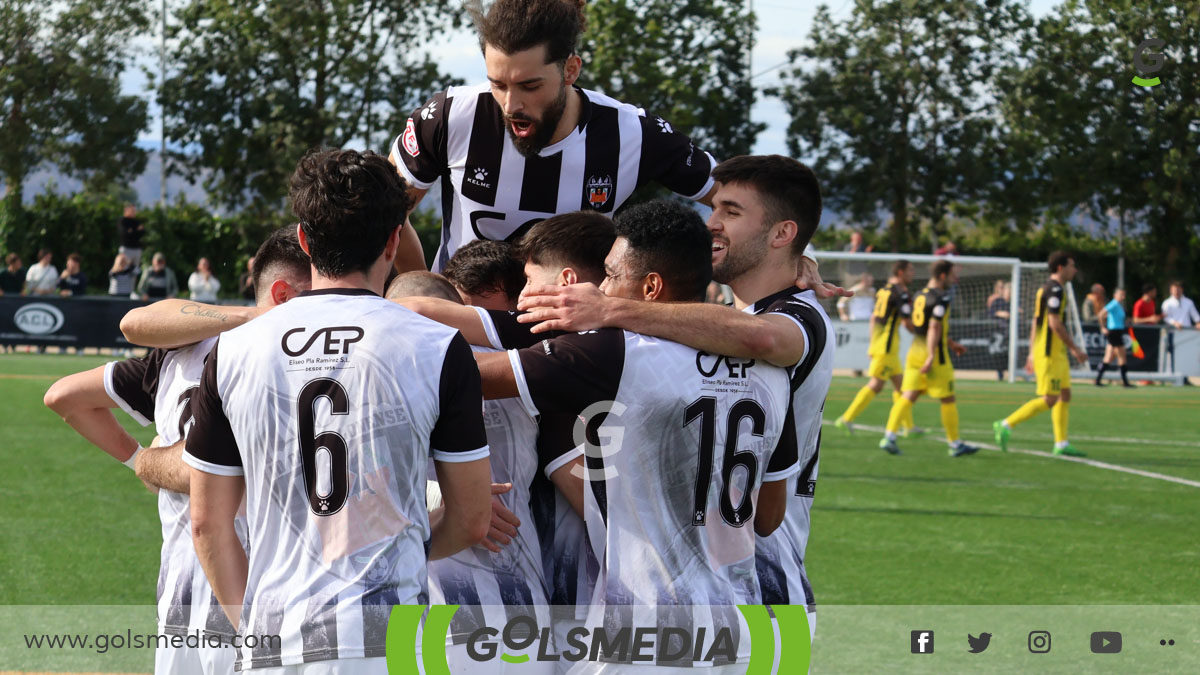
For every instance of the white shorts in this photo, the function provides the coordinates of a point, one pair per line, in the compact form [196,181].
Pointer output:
[372,666]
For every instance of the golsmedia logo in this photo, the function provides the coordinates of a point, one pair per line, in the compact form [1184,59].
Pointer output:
[1147,62]
[521,640]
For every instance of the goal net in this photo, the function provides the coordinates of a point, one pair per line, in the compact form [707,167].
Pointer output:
[990,313]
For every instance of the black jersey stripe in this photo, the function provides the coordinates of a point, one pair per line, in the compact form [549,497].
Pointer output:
[484,152]
[539,184]
[318,631]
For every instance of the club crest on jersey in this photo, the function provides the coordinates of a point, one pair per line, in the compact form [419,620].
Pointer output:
[478,177]
[429,110]
[598,191]
[409,139]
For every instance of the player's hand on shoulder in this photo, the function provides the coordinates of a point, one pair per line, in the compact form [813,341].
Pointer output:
[573,308]
[809,279]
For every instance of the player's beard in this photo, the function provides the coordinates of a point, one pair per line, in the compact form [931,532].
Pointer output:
[543,129]
[741,258]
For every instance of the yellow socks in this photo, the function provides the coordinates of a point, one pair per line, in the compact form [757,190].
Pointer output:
[1027,412]
[949,421]
[901,409]
[860,403]
[1059,415]
[907,421]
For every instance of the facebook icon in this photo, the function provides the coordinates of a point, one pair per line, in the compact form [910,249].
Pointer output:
[922,642]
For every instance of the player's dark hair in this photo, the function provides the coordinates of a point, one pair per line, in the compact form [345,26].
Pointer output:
[1149,286]
[348,203]
[422,284]
[940,268]
[485,266]
[900,266]
[789,190]
[579,240]
[516,25]
[669,238]
[279,257]
[1058,260]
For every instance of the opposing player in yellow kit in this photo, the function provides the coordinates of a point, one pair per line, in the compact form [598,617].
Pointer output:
[1048,355]
[928,366]
[893,306]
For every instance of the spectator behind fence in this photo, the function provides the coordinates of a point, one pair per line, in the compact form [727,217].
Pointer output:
[862,305]
[158,281]
[949,248]
[202,285]
[1178,311]
[131,230]
[246,281]
[73,281]
[1093,302]
[121,277]
[1143,309]
[12,277]
[42,277]
[854,268]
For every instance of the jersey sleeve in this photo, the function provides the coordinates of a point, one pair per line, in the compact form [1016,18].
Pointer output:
[459,435]
[133,384]
[785,458]
[801,314]
[569,373]
[505,332]
[672,159]
[420,150]
[941,305]
[1054,299]
[211,446]
[556,442]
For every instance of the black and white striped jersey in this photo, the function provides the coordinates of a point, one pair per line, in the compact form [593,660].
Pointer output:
[491,587]
[330,406]
[491,191]
[569,565]
[158,388]
[682,443]
[780,556]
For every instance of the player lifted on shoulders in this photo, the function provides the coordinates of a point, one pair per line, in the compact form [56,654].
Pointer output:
[893,307]
[928,367]
[1048,346]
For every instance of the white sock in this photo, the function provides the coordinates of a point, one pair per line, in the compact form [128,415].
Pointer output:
[1061,444]
[891,436]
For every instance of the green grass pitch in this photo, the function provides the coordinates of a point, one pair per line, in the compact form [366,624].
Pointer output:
[919,529]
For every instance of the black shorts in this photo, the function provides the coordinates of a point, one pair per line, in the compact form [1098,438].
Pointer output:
[1116,338]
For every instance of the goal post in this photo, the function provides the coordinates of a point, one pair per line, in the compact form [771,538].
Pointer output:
[987,289]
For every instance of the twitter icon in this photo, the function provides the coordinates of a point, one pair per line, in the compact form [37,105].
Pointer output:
[978,644]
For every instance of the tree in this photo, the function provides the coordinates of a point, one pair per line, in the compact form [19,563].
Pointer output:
[60,91]
[255,85]
[1085,135]
[682,59]
[896,105]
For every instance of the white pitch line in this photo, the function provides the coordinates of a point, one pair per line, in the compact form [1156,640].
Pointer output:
[1080,460]
[1099,439]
